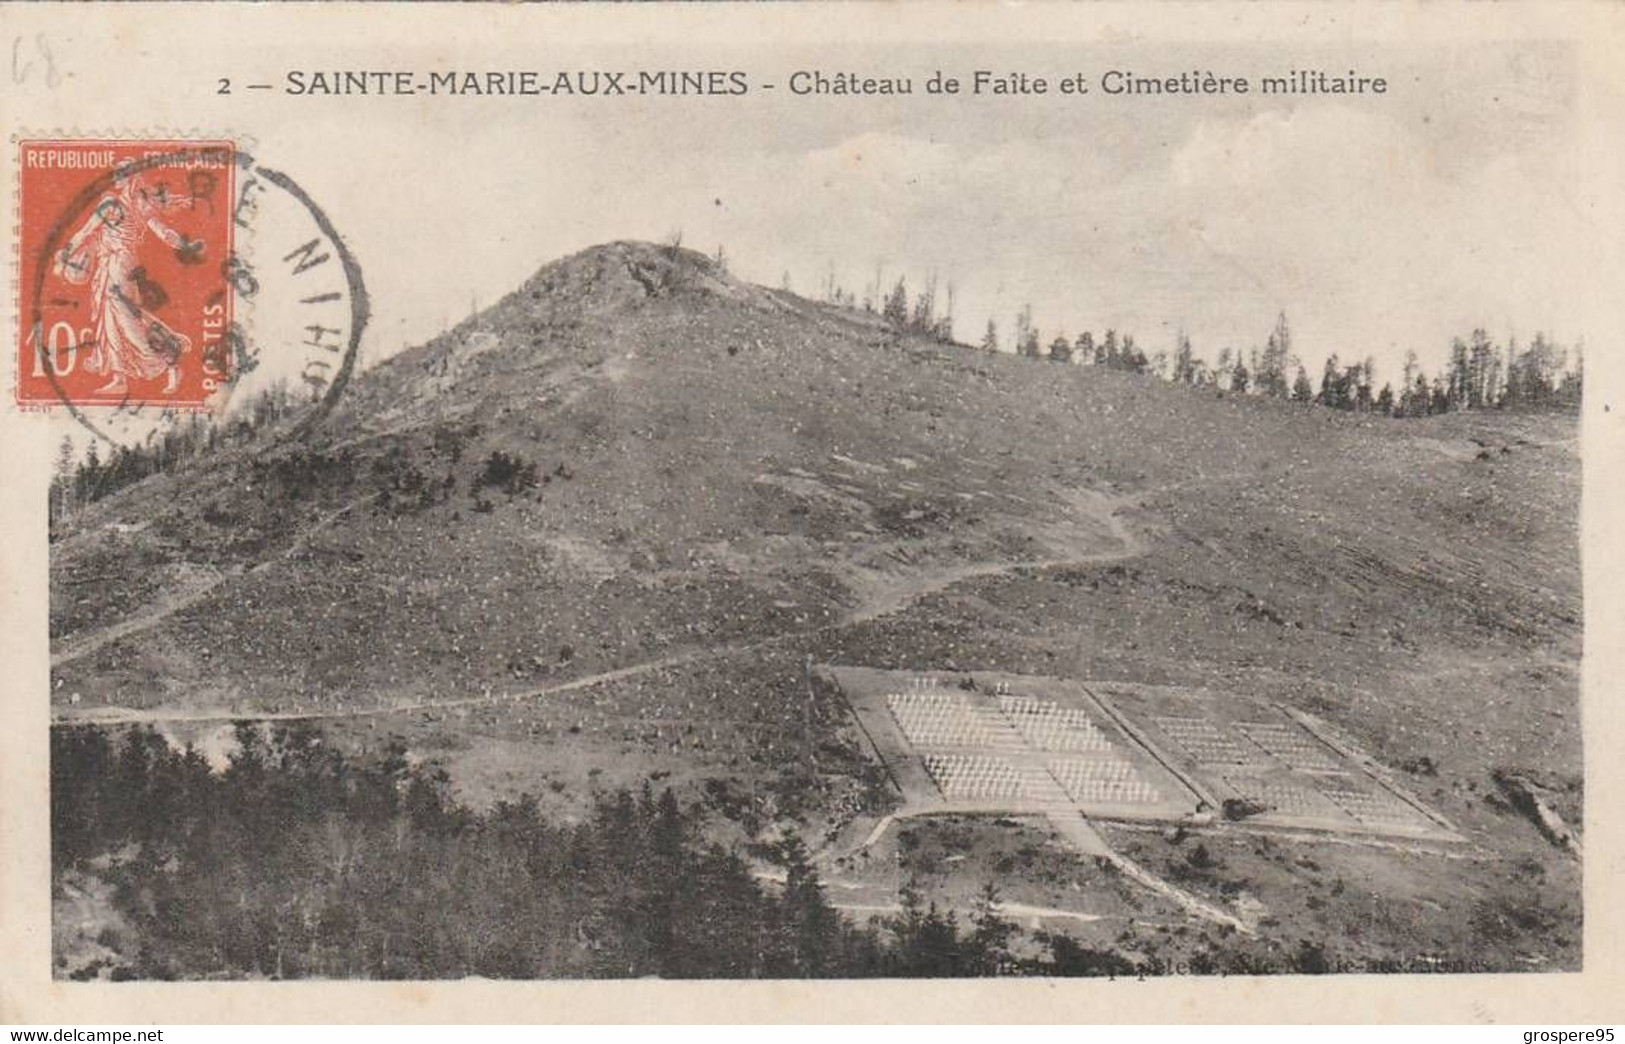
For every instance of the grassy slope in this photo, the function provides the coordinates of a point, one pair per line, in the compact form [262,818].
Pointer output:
[726,464]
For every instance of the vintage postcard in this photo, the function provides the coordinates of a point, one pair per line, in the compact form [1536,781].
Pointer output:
[811,512]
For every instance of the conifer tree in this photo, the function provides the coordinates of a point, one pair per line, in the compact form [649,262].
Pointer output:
[895,311]
[944,329]
[1026,335]
[1460,375]
[1132,359]
[1240,379]
[1440,396]
[1480,355]
[989,942]
[1270,370]
[1515,387]
[61,489]
[1184,360]
[1302,390]
[813,925]
[925,307]
[1331,384]
[1421,398]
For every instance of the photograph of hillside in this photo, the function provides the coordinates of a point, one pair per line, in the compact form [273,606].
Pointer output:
[654,622]
[753,533]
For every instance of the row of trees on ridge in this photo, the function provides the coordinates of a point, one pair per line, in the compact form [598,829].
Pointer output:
[1478,373]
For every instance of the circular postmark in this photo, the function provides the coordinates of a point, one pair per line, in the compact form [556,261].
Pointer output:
[166,278]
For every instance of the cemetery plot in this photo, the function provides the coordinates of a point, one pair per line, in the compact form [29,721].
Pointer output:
[1106,780]
[1206,744]
[1260,764]
[1008,743]
[1372,806]
[1286,797]
[1292,745]
[934,718]
[976,776]
[990,742]
[985,742]
[1049,726]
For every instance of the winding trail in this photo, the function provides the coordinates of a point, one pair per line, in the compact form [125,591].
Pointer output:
[1099,507]
[154,615]
[897,597]
[1011,910]
[1003,906]
[168,606]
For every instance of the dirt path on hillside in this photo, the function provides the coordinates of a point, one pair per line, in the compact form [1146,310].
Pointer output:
[1099,507]
[1006,907]
[1013,911]
[154,615]
[893,594]
[126,716]
[169,605]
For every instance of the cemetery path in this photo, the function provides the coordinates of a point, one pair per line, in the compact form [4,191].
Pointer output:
[853,905]
[1014,910]
[1075,828]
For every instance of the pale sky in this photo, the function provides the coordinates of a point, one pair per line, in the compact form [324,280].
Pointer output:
[1377,223]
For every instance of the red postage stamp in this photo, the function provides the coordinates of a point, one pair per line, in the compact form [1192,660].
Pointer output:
[124,250]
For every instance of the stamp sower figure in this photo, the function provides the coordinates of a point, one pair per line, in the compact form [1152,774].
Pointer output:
[106,251]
